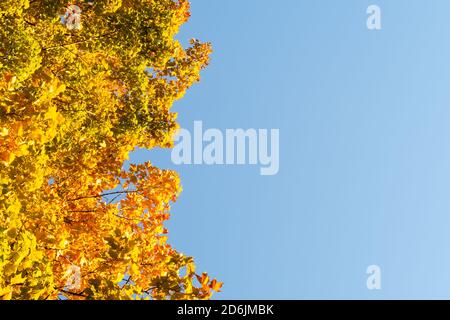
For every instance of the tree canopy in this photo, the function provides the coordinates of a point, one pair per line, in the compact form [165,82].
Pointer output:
[77,95]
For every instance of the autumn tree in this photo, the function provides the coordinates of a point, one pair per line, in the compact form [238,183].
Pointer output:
[81,86]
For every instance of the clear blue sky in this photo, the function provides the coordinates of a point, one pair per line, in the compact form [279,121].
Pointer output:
[364,119]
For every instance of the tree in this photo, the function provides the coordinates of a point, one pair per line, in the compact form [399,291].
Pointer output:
[77,94]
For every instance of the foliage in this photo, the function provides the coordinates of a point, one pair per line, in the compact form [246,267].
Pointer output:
[73,104]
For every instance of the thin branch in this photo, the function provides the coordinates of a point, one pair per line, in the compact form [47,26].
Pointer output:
[78,42]
[129,219]
[113,199]
[104,195]
[29,23]
[128,281]
[74,293]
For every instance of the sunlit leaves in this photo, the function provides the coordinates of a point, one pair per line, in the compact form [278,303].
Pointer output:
[73,104]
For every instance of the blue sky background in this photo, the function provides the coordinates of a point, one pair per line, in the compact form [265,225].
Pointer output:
[364,119]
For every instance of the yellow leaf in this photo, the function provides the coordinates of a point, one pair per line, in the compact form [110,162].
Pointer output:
[216,285]
[119,277]
[17,279]
[5,293]
[51,114]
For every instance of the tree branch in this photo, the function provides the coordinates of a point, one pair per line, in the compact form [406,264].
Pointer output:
[74,293]
[103,195]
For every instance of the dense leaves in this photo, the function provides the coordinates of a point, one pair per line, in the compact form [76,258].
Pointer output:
[73,103]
